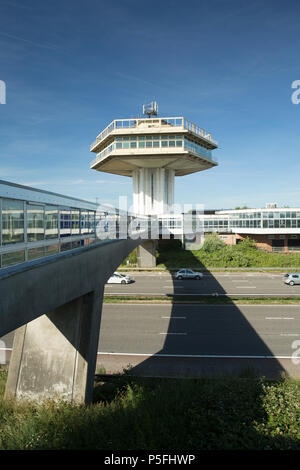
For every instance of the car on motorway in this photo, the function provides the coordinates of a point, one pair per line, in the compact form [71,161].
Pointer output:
[118,278]
[291,279]
[188,274]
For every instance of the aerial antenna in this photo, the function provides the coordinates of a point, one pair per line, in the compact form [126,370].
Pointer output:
[150,109]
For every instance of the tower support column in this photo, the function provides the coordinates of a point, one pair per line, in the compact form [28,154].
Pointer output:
[153,190]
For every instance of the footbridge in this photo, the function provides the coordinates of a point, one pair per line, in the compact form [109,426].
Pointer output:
[56,255]
[52,277]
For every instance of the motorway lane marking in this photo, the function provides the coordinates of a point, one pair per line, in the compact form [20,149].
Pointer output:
[177,318]
[208,295]
[136,293]
[279,318]
[177,287]
[172,334]
[205,356]
[210,305]
[245,287]
[289,334]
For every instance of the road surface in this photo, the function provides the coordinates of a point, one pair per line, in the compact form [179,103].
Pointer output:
[183,337]
[245,284]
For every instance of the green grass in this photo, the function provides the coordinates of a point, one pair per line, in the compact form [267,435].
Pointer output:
[117,299]
[161,414]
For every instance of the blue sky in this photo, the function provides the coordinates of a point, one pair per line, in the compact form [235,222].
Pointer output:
[71,67]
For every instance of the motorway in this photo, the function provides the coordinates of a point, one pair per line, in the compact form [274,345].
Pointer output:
[242,284]
[188,338]
[189,329]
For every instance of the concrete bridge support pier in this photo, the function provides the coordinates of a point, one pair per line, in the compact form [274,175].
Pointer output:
[146,254]
[54,356]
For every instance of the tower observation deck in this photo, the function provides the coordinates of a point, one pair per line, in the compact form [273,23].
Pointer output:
[153,151]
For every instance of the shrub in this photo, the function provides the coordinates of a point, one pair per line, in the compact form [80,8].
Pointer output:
[213,243]
[246,244]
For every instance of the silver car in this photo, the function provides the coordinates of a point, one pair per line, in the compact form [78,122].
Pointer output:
[292,279]
[188,274]
[118,278]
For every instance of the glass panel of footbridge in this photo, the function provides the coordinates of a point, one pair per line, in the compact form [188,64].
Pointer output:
[12,221]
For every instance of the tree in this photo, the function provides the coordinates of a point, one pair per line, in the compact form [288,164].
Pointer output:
[212,243]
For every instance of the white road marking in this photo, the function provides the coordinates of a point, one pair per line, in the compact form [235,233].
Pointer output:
[289,334]
[214,356]
[245,287]
[177,287]
[177,318]
[280,318]
[172,333]
[206,295]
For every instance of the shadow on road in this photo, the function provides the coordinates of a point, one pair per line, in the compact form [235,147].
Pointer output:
[212,338]
[211,412]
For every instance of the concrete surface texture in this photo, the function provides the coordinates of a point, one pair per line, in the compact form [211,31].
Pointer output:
[146,254]
[55,303]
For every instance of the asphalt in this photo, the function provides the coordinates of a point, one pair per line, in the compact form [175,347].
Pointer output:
[186,339]
[249,330]
[234,284]
[191,340]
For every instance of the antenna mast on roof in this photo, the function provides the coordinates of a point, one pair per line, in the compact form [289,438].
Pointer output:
[150,109]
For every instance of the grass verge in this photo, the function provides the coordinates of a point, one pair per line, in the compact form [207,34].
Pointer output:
[162,414]
[219,300]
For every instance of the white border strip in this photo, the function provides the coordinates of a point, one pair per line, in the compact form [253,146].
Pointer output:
[205,356]
[213,356]
[199,356]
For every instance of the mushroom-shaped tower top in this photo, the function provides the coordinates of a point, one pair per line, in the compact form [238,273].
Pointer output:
[153,151]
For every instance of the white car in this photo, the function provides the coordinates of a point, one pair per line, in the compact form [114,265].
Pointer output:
[188,274]
[118,278]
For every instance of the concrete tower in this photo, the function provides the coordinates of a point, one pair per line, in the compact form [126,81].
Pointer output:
[153,150]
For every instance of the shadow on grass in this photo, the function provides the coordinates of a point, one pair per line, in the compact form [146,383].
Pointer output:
[138,413]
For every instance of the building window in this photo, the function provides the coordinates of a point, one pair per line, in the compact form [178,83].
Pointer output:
[51,214]
[75,221]
[65,222]
[35,223]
